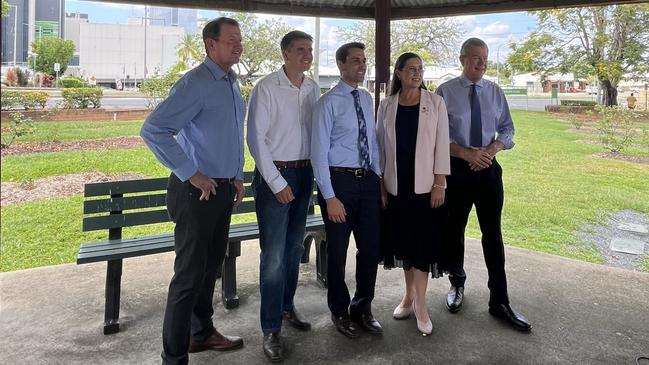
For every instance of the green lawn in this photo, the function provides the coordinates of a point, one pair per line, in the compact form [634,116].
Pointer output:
[553,186]
[67,131]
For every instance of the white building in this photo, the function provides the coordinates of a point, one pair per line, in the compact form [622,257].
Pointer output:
[117,51]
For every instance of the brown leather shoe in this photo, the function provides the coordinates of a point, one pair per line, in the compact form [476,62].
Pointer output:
[217,342]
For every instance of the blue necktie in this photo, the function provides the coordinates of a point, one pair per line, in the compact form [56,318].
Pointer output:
[363,146]
[476,119]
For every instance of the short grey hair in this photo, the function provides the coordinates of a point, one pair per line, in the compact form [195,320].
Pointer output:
[472,42]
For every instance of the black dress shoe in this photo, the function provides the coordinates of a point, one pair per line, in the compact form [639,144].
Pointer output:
[369,324]
[297,320]
[517,320]
[345,326]
[273,348]
[454,299]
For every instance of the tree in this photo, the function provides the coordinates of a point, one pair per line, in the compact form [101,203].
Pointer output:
[436,40]
[607,42]
[51,50]
[191,50]
[261,50]
[5,8]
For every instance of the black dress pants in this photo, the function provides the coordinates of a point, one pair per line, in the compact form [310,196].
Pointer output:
[361,198]
[484,189]
[201,240]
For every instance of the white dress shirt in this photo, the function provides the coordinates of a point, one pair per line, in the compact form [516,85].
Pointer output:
[279,124]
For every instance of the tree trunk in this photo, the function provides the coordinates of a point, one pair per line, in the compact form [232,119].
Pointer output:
[609,93]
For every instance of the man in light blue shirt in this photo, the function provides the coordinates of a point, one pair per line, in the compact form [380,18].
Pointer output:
[480,126]
[197,132]
[345,159]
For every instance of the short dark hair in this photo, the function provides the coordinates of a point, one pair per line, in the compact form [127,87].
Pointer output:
[213,28]
[401,62]
[291,36]
[343,51]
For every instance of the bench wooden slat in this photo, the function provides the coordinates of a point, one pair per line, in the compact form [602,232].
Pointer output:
[125,220]
[126,203]
[125,187]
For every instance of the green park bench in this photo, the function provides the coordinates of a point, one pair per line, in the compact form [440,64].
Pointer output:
[116,205]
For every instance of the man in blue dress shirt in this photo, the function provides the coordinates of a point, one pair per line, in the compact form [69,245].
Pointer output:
[480,126]
[345,160]
[197,132]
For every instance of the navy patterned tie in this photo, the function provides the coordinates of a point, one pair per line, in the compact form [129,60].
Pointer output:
[476,119]
[363,146]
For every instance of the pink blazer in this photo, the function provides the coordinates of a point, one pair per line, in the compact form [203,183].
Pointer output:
[432,153]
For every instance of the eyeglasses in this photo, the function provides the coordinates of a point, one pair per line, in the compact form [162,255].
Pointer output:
[414,70]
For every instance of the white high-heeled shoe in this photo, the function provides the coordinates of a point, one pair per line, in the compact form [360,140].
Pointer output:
[426,328]
[401,312]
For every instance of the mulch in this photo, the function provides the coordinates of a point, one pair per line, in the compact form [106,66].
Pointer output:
[60,146]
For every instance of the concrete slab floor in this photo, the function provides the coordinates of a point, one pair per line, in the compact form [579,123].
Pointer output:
[581,314]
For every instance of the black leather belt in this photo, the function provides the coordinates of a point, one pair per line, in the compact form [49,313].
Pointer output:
[357,172]
[220,180]
[297,164]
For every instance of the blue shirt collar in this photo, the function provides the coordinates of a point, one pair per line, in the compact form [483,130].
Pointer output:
[467,83]
[345,87]
[217,71]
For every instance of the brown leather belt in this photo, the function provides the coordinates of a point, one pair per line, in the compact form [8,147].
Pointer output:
[220,180]
[297,164]
[357,172]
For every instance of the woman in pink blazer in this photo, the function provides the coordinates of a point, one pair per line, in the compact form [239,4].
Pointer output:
[413,135]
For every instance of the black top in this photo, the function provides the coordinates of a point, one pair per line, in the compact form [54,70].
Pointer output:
[406,125]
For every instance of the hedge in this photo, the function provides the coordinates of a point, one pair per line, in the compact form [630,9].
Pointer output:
[82,98]
[73,82]
[12,100]
[578,103]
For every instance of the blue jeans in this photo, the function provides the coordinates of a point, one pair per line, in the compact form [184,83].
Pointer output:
[281,235]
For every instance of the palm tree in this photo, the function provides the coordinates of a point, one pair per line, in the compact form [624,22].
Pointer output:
[190,49]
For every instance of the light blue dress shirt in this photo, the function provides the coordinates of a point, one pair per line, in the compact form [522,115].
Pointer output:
[497,121]
[334,135]
[199,127]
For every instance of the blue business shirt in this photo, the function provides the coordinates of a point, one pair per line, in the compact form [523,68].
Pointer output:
[497,122]
[199,127]
[334,134]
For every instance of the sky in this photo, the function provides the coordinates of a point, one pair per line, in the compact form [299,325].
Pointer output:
[495,29]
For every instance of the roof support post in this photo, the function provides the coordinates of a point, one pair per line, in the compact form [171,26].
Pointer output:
[382,14]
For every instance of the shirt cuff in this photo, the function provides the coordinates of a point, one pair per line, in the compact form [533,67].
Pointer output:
[327,191]
[277,184]
[506,141]
[185,171]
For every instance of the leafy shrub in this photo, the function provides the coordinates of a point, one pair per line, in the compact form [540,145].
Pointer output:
[578,103]
[12,77]
[44,80]
[616,127]
[9,100]
[72,82]
[157,88]
[82,98]
[12,100]
[34,99]
[18,126]
[22,76]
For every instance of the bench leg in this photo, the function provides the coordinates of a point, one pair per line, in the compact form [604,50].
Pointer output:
[308,239]
[321,259]
[229,276]
[113,289]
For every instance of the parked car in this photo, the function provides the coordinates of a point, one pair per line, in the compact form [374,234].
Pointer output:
[592,89]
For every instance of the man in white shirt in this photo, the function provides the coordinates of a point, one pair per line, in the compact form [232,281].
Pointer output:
[279,130]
